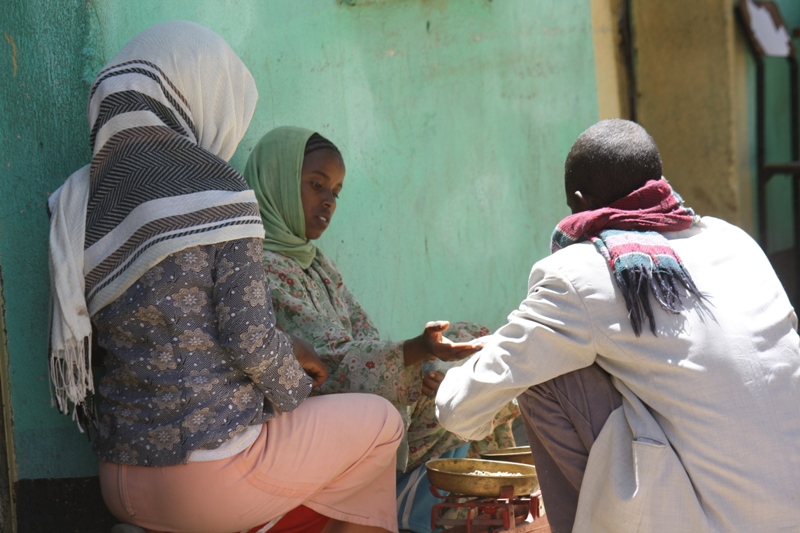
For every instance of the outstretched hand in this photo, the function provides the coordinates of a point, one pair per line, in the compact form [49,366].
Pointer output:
[307,357]
[432,345]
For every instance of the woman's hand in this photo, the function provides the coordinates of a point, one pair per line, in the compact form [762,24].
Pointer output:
[307,357]
[432,345]
[430,383]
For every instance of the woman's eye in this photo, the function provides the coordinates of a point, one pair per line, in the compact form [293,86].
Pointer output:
[316,186]
[336,195]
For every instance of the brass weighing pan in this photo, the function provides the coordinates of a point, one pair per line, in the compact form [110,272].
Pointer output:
[519,454]
[456,476]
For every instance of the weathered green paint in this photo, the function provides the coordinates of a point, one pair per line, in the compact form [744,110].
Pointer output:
[778,138]
[454,118]
[42,140]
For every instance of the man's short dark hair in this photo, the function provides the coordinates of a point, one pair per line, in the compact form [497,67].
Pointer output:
[610,160]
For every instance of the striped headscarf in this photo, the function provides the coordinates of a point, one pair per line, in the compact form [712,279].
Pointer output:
[628,234]
[165,115]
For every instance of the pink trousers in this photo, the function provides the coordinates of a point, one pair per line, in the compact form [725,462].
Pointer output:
[334,454]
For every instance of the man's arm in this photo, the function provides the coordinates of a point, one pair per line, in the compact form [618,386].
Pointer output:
[550,334]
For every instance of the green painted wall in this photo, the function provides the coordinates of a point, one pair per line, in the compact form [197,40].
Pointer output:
[42,140]
[454,118]
[778,140]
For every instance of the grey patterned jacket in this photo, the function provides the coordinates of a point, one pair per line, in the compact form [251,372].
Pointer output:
[194,357]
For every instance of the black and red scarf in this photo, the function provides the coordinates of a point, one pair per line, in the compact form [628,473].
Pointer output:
[628,233]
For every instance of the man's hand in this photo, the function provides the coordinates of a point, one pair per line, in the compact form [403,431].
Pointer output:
[430,383]
[432,345]
[307,357]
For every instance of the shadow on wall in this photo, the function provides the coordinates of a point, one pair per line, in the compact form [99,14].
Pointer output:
[69,505]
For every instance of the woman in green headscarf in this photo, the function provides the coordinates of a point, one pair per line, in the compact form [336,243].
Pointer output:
[297,176]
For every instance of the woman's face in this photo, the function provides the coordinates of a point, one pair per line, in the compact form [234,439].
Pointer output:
[321,180]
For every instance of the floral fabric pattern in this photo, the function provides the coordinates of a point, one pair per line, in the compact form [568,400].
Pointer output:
[193,357]
[316,305]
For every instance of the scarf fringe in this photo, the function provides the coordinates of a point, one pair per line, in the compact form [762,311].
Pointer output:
[635,282]
[72,379]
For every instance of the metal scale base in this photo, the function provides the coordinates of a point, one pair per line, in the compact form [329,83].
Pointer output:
[505,514]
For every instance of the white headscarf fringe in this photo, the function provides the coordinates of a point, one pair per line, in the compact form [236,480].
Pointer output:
[70,326]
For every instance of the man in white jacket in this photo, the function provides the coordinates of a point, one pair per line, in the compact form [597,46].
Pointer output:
[655,357]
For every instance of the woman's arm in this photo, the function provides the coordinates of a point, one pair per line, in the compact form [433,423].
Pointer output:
[432,345]
[344,337]
[247,325]
[428,346]
[309,359]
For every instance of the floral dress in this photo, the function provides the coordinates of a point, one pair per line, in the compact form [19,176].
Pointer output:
[316,305]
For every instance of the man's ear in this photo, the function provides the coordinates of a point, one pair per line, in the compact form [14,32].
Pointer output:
[584,202]
[589,202]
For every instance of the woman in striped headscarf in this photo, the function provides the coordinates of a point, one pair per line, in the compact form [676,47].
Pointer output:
[202,420]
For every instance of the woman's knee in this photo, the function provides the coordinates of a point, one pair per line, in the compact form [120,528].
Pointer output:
[364,413]
[393,426]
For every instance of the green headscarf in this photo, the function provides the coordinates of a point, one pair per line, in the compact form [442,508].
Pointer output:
[273,172]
